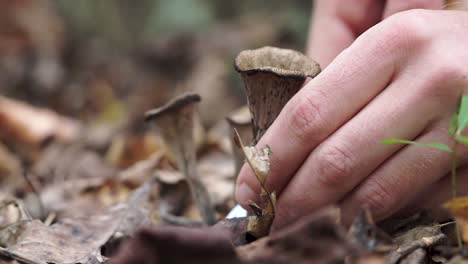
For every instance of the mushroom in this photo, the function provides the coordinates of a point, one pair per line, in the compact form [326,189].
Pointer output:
[271,77]
[175,121]
[240,120]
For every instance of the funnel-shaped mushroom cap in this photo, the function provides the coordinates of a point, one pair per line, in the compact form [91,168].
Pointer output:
[271,77]
[176,104]
[174,121]
[283,62]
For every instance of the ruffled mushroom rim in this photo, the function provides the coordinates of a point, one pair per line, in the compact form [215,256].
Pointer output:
[280,62]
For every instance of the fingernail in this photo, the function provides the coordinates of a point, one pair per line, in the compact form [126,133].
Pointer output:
[244,193]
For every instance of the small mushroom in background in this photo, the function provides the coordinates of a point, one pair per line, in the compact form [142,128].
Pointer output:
[240,120]
[175,121]
[271,77]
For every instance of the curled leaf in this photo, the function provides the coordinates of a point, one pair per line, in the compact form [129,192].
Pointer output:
[259,160]
[458,207]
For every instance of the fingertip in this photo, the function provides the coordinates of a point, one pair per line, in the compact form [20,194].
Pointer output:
[245,193]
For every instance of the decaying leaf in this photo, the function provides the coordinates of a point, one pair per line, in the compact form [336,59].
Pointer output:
[259,160]
[78,239]
[316,238]
[414,242]
[69,241]
[459,209]
[10,165]
[34,125]
[178,245]
[367,236]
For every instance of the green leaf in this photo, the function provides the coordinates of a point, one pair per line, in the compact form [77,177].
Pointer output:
[463,114]
[436,145]
[453,124]
[462,139]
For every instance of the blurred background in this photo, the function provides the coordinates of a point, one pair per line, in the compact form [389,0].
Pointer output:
[76,78]
[114,59]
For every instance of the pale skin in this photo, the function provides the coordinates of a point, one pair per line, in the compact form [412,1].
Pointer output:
[392,68]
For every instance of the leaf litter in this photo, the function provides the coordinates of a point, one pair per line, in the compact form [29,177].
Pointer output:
[83,179]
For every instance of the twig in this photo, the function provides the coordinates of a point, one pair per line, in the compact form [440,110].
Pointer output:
[35,189]
[424,242]
[50,219]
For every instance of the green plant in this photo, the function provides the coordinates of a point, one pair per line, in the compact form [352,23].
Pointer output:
[458,123]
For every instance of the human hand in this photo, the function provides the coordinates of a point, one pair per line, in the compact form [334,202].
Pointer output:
[402,78]
[335,24]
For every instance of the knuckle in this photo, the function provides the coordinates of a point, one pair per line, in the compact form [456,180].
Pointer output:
[406,30]
[305,120]
[334,165]
[377,197]
[444,82]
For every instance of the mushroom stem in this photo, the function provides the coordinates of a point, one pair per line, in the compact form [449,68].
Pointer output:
[240,120]
[175,122]
[271,77]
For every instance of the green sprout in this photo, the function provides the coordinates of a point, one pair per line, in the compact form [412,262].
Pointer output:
[458,122]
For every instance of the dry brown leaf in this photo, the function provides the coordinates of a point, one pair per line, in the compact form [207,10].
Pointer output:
[9,164]
[456,5]
[459,209]
[316,238]
[410,243]
[371,258]
[367,236]
[34,125]
[128,150]
[76,240]
[178,245]
[259,160]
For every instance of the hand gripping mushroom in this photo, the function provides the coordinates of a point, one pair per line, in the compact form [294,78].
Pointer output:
[271,77]
[175,123]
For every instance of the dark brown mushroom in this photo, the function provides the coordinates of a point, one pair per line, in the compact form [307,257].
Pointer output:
[271,77]
[175,122]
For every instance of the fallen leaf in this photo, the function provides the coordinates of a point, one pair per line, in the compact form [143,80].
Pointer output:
[367,236]
[417,239]
[458,207]
[178,245]
[32,125]
[69,241]
[316,238]
[259,160]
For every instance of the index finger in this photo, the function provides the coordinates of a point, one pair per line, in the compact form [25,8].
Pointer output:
[353,79]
